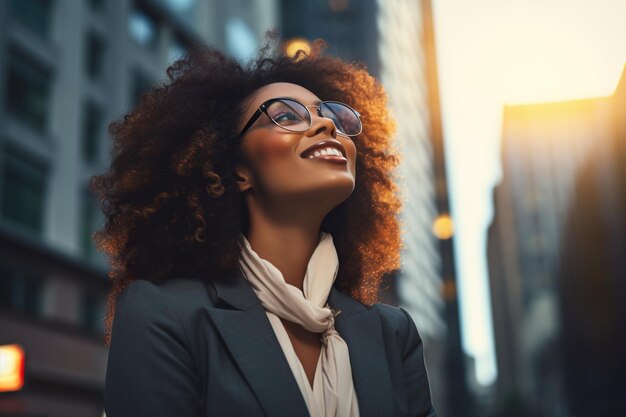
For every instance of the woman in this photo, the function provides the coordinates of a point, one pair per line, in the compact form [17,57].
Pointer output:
[251,213]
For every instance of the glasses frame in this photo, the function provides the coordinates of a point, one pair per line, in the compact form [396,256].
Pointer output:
[263,109]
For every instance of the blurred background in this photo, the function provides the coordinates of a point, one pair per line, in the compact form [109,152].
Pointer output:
[512,129]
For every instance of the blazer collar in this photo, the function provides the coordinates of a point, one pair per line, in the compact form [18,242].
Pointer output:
[266,368]
[238,293]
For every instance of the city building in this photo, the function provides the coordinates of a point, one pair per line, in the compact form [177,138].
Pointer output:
[556,257]
[67,69]
[395,40]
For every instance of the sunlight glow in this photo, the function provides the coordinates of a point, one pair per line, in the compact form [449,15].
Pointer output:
[496,52]
[548,68]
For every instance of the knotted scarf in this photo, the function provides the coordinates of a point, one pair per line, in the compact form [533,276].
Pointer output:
[332,394]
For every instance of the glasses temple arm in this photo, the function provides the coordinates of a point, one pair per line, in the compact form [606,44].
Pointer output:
[253,119]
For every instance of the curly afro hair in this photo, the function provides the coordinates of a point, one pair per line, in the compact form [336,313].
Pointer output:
[171,205]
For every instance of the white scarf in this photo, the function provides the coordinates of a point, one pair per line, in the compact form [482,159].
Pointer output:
[333,394]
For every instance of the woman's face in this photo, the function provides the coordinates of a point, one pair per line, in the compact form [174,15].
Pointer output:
[277,163]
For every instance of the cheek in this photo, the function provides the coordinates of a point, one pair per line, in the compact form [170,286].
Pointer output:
[271,159]
[271,150]
[352,156]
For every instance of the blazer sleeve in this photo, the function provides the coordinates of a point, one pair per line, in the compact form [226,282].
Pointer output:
[415,375]
[150,371]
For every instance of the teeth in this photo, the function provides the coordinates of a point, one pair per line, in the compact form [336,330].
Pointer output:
[326,152]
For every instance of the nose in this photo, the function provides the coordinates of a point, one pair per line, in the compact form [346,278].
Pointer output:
[320,124]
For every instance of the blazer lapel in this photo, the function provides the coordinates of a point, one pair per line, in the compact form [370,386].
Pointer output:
[249,336]
[361,329]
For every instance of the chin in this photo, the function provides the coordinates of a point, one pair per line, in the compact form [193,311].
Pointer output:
[335,195]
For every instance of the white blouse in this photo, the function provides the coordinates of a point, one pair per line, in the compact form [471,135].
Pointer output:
[313,397]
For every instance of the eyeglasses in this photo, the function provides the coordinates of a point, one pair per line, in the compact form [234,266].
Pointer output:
[296,117]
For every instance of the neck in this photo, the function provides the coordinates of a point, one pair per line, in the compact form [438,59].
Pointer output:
[287,237]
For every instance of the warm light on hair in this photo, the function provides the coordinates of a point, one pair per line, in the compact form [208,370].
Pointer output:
[11,368]
[443,226]
[292,47]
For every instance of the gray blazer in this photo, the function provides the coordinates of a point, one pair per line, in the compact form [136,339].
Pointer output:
[188,348]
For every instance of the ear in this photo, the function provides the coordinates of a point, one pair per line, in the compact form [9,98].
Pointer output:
[243,177]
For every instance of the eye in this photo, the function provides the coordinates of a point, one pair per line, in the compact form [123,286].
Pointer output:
[285,117]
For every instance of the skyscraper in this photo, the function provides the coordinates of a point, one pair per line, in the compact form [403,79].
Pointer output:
[556,257]
[68,68]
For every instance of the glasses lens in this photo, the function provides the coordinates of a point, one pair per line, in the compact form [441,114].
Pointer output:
[345,118]
[289,114]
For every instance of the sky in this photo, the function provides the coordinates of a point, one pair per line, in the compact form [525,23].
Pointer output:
[492,52]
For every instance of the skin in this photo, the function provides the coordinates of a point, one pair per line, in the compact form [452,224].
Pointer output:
[288,196]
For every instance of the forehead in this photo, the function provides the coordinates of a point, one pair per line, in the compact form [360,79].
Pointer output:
[280,89]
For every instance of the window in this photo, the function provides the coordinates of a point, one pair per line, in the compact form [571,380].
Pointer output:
[91,132]
[23,190]
[141,84]
[143,28]
[33,14]
[21,290]
[28,90]
[94,56]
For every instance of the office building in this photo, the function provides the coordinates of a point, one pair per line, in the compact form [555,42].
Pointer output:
[556,257]
[67,69]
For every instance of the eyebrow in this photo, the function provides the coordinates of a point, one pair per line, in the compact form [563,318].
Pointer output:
[315,103]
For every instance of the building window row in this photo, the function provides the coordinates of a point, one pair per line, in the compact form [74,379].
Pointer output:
[23,189]
[94,56]
[21,291]
[28,91]
[92,125]
[35,15]
[24,292]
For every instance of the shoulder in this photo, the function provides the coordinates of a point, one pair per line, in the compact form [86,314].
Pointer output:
[398,322]
[396,317]
[172,290]
[143,300]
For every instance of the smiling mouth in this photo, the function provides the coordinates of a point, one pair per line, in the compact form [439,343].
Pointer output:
[325,148]
[328,154]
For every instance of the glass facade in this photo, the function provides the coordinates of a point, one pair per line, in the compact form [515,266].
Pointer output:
[91,132]
[28,91]
[94,56]
[21,291]
[22,190]
[33,14]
